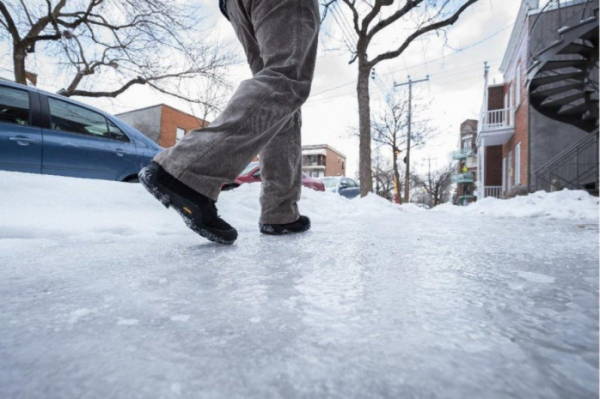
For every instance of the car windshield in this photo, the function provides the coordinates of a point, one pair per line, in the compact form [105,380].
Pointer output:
[250,166]
[330,182]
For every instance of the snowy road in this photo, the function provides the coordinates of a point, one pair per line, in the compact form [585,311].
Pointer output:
[105,294]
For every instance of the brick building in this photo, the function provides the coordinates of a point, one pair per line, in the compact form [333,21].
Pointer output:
[513,138]
[322,160]
[466,168]
[163,124]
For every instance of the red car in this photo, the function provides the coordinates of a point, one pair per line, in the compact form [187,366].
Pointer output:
[252,175]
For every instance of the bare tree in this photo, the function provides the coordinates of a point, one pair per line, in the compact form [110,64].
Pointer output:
[104,47]
[370,18]
[383,174]
[214,95]
[390,129]
[436,183]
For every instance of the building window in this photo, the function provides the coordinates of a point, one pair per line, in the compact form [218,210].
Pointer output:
[179,133]
[467,144]
[512,93]
[518,86]
[518,165]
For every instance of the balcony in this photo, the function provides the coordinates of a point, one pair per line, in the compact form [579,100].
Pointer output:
[496,127]
[463,153]
[462,178]
[492,191]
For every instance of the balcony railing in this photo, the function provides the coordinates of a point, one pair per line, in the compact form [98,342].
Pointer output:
[497,119]
[492,191]
[462,153]
[462,178]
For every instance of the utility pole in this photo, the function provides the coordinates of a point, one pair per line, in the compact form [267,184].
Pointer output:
[407,159]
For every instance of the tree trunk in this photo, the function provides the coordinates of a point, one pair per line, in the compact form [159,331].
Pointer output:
[19,64]
[364,118]
[397,177]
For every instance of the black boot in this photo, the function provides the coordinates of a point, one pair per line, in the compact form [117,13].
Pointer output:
[299,226]
[198,212]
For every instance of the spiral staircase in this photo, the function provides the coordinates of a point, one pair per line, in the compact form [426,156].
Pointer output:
[563,85]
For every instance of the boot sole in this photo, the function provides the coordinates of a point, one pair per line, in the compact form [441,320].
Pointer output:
[269,232]
[177,204]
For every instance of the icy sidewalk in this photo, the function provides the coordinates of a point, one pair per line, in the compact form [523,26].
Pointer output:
[104,293]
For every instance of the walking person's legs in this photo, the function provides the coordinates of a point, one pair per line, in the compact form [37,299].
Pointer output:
[282,34]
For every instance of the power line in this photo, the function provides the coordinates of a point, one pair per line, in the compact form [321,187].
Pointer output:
[471,69]
[349,28]
[478,64]
[457,51]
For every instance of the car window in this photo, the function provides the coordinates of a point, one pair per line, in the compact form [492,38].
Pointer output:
[250,166]
[14,106]
[115,133]
[351,183]
[330,182]
[73,118]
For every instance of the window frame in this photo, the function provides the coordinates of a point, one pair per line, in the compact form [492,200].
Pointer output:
[504,173]
[518,85]
[510,172]
[518,164]
[31,106]
[177,129]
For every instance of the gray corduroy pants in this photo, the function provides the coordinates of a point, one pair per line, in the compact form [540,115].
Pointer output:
[263,116]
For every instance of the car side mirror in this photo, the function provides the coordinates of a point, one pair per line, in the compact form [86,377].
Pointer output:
[343,186]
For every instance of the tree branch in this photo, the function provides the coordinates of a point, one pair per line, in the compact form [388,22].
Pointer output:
[408,6]
[422,31]
[10,23]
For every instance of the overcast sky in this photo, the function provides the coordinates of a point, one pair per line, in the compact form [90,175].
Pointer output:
[454,91]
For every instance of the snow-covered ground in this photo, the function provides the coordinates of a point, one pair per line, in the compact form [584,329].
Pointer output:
[106,294]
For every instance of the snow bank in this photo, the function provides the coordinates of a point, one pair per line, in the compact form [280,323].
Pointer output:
[565,204]
[50,207]
[38,206]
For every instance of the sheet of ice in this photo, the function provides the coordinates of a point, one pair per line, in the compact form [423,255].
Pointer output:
[104,293]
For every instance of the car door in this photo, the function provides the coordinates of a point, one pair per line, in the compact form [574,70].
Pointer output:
[352,190]
[83,143]
[20,141]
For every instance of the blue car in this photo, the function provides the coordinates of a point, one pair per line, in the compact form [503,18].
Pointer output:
[49,134]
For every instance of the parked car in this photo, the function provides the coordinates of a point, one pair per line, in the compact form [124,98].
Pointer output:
[49,134]
[344,186]
[252,175]
[424,206]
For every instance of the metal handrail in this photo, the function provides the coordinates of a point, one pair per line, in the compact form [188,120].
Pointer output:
[463,152]
[571,168]
[550,6]
[463,177]
[569,151]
